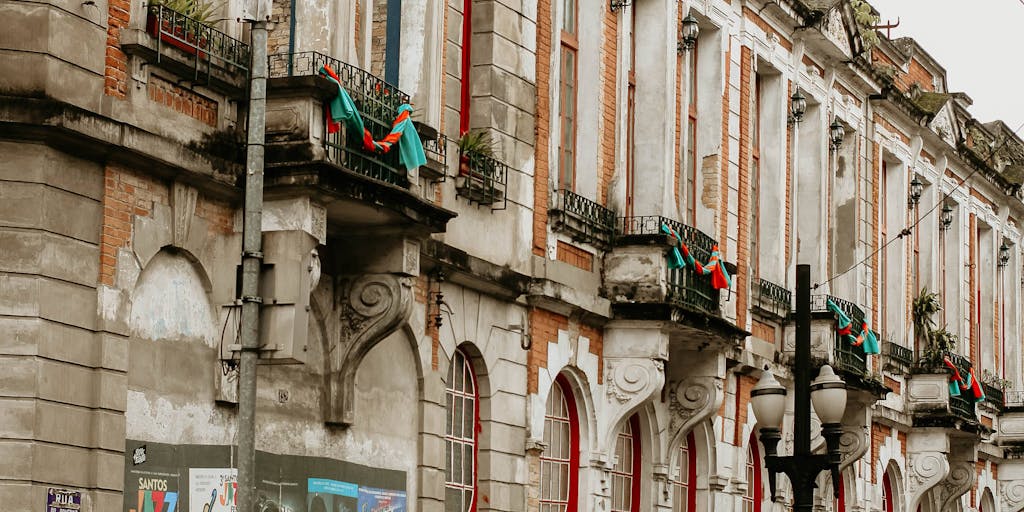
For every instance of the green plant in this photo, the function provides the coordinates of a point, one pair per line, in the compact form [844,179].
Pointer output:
[925,305]
[477,143]
[866,18]
[994,380]
[941,342]
[198,10]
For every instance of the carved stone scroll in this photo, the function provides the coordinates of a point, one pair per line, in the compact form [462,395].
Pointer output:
[371,307]
[1013,495]
[692,401]
[853,444]
[925,470]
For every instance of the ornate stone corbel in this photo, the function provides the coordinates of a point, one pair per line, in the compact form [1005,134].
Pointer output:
[629,382]
[960,480]
[1012,492]
[371,307]
[925,469]
[853,444]
[691,401]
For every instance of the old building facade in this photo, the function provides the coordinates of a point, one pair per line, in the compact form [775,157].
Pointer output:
[497,330]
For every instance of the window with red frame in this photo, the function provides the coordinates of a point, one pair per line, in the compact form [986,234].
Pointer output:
[631,115]
[461,428]
[467,38]
[560,461]
[567,98]
[755,181]
[626,471]
[752,496]
[684,476]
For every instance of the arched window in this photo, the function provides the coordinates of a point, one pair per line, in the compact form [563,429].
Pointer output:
[887,497]
[461,427]
[626,472]
[752,496]
[561,459]
[684,476]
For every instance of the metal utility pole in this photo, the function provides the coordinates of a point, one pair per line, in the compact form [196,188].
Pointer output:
[252,260]
[803,499]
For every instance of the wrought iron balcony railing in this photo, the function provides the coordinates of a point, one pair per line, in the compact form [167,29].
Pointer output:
[209,45]
[582,219]
[377,101]
[772,298]
[993,395]
[963,407]
[685,287]
[482,179]
[436,149]
[851,359]
[898,357]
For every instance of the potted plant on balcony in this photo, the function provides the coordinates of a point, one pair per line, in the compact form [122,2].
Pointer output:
[186,33]
[472,145]
[936,343]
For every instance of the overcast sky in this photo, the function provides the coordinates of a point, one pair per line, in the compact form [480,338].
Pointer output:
[980,43]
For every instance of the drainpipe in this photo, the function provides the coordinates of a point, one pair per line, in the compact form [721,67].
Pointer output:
[252,260]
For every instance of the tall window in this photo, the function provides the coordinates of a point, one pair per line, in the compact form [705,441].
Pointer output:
[460,436]
[567,98]
[467,37]
[626,472]
[887,497]
[560,461]
[684,476]
[691,142]
[752,496]
[755,180]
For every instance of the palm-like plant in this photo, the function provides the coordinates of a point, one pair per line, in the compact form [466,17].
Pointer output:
[925,305]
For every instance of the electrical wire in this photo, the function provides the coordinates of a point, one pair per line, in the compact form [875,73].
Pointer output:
[909,229]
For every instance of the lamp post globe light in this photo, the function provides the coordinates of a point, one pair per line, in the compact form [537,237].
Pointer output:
[827,394]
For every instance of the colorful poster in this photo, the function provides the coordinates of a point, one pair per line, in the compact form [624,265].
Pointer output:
[153,491]
[212,489]
[381,500]
[325,495]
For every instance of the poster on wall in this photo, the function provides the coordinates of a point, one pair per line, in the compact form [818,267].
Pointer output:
[326,495]
[381,500]
[152,491]
[212,489]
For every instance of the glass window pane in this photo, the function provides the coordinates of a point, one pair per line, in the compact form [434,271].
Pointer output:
[467,465]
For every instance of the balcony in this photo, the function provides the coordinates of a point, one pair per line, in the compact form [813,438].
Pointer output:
[435,146]
[361,188]
[582,219]
[641,286]
[771,299]
[932,405]
[993,395]
[482,180]
[191,49]
[898,359]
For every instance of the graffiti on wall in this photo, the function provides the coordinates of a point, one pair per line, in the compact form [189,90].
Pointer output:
[199,478]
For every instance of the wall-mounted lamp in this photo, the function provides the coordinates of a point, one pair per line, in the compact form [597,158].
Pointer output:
[916,188]
[1004,255]
[688,31]
[618,3]
[797,107]
[836,134]
[437,298]
[946,219]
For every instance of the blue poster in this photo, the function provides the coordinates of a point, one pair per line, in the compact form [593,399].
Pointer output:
[381,500]
[326,495]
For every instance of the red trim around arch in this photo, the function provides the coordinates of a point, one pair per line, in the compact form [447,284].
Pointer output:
[691,474]
[758,491]
[887,491]
[574,442]
[634,502]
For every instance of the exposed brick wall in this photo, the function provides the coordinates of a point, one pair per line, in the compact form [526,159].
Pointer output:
[876,170]
[763,330]
[789,181]
[277,39]
[115,70]
[542,130]
[421,294]
[575,256]
[879,433]
[892,383]
[680,100]
[128,194]
[378,37]
[972,299]
[744,383]
[752,15]
[723,205]
[182,100]
[609,100]
[544,327]
[743,254]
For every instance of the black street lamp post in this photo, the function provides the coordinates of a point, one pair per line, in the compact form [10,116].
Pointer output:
[828,394]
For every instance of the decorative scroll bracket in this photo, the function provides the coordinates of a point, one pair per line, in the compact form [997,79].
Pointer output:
[926,464]
[962,475]
[371,307]
[692,401]
[629,382]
